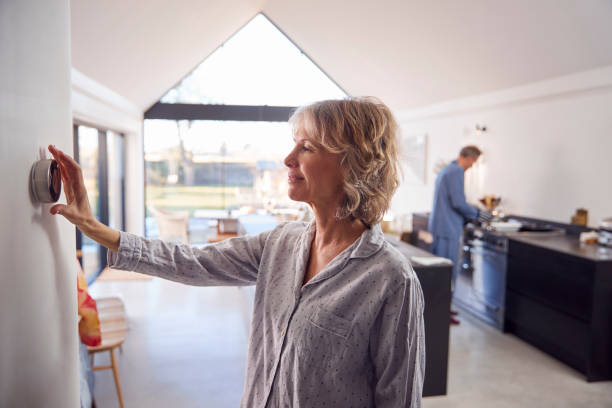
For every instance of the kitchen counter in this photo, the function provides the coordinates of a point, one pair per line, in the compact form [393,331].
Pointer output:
[557,290]
[567,244]
[410,250]
[558,299]
[436,284]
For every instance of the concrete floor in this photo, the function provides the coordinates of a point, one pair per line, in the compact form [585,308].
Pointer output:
[187,346]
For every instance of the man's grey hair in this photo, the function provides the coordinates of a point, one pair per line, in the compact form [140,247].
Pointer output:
[470,151]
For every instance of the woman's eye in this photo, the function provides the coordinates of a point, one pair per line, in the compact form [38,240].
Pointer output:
[304,148]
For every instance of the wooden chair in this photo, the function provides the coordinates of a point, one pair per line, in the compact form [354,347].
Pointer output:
[113,325]
[173,225]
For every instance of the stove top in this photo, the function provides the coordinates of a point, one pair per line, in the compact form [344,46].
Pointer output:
[540,229]
[490,236]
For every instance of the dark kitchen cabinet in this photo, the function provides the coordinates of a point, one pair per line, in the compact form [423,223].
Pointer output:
[435,281]
[562,304]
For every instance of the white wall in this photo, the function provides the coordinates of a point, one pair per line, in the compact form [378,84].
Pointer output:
[547,150]
[95,104]
[38,317]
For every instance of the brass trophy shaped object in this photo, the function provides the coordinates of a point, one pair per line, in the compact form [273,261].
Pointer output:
[490,203]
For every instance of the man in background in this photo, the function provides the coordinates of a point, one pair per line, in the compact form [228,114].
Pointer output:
[450,210]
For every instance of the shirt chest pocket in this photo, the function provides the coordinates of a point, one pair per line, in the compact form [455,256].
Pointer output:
[324,340]
[330,323]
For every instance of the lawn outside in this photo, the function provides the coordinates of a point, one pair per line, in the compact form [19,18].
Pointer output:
[192,198]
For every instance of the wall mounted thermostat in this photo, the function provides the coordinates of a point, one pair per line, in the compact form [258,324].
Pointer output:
[46,181]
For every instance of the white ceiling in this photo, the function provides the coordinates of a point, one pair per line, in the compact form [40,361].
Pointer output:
[409,53]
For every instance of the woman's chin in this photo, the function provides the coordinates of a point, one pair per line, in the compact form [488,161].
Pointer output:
[295,196]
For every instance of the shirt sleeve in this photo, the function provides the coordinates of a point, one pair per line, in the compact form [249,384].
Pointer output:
[233,262]
[397,347]
[456,193]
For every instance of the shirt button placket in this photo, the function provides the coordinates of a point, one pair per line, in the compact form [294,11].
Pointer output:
[282,333]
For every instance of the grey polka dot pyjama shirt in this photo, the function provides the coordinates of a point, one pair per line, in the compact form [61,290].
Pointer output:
[353,336]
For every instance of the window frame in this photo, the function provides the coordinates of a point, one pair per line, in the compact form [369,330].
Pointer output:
[103,187]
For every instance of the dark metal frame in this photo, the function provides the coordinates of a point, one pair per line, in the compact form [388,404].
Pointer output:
[103,203]
[75,149]
[103,189]
[185,111]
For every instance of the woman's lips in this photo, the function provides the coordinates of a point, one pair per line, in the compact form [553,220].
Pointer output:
[294,179]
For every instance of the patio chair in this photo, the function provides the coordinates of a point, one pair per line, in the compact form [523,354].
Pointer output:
[173,225]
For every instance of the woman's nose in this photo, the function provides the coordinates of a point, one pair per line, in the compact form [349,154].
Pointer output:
[290,159]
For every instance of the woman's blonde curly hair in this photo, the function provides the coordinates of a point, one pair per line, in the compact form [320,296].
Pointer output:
[364,133]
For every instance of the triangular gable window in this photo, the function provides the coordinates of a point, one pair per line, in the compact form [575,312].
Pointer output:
[215,144]
[259,65]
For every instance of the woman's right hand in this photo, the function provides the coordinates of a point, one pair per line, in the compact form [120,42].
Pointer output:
[77,209]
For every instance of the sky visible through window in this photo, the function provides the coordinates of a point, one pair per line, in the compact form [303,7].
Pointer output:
[257,66]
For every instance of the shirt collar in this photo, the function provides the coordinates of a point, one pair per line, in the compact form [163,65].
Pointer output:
[370,241]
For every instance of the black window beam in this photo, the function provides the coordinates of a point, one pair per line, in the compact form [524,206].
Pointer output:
[186,111]
[75,154]
[103,190]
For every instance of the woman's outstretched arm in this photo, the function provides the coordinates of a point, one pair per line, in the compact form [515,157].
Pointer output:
[77,209]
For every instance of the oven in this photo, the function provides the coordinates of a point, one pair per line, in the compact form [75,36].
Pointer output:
[480,287]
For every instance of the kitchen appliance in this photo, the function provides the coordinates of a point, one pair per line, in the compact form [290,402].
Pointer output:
[605,233]
[480,288]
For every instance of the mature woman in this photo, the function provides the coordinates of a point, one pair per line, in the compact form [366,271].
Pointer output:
[338,313]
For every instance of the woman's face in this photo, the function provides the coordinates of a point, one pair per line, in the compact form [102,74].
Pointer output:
[315,176]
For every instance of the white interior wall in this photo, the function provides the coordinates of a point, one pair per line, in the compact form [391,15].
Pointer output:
[95,104]
[546,151]
[141,49]
[38,316]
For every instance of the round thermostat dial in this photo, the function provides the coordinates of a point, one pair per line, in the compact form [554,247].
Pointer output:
[46,182]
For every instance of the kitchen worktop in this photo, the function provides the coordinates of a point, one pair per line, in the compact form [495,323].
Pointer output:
[568,244]
[558,299]
[410,251]
[435,282]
